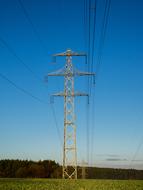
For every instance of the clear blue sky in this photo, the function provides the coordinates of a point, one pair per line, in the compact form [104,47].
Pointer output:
[27,127]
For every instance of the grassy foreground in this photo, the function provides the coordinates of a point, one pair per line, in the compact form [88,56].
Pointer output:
[57,184]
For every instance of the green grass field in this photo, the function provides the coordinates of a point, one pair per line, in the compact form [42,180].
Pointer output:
[55,184]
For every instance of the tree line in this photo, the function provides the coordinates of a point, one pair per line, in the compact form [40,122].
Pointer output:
[51,169]
[111,173]
[29,169]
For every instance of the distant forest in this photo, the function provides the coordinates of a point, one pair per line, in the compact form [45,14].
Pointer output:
[51,169]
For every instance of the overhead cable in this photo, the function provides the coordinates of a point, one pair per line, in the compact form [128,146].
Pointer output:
[32,25]
[11,50]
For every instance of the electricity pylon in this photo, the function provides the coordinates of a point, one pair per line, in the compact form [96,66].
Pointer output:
[69,146]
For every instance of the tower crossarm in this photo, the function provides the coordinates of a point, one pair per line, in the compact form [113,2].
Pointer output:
[69,52]
[82,73]
[63,72]
[62,94]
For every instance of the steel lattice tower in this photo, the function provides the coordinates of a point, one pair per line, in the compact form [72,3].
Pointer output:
[69,147]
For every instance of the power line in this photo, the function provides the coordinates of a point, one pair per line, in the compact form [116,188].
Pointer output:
[93,40]
[32,25]
[34,97]
[136,152]
[44,47]
[87,5]
[92,60]
[89,34]
[101,45]
[103,34]
[91,43]
[22,89]
[88,80]
[86,23]
[11,50]
[56,123]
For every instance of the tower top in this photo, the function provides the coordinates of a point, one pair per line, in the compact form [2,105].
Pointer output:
[69,52]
